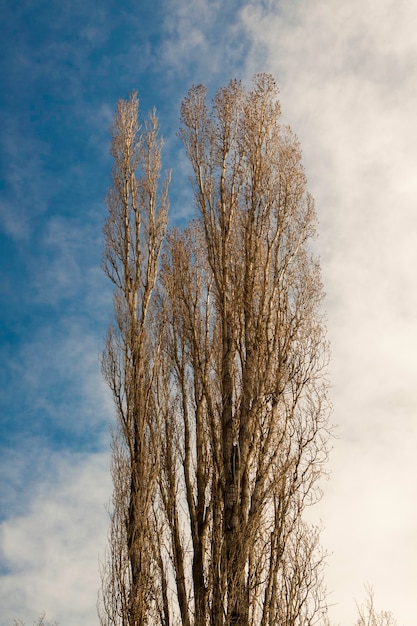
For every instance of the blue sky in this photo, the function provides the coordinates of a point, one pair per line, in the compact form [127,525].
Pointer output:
[64,67]
[347,73]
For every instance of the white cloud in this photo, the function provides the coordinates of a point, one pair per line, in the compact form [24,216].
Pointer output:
[50,551]
[347,77]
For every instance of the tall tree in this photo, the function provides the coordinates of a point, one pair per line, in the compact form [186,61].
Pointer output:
[229,383]
[134,231]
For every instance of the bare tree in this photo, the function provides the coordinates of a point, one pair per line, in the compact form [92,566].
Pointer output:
[368,616]
[246,347]
[41,621]
[217,363]
[134,232]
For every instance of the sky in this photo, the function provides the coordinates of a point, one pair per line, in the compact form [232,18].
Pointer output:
[347,72]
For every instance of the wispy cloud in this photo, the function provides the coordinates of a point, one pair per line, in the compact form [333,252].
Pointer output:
[204,41]
[50,550]
[58,392]
[24,198]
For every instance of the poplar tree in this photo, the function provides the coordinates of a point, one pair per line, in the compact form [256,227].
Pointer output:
[217,363]
[134,231]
